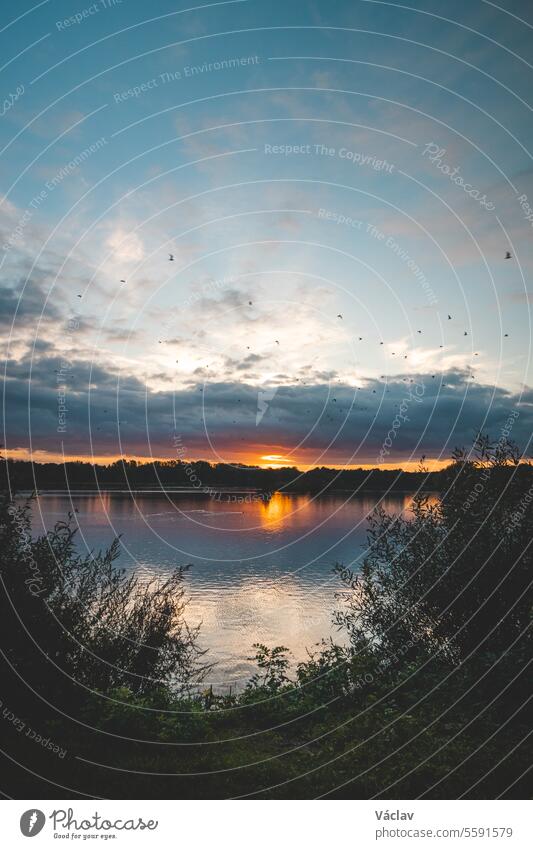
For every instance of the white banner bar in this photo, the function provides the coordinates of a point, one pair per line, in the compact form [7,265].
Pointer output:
[268,824]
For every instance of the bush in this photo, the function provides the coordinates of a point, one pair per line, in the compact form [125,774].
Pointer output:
[428,696]
[456,576]
[87,618]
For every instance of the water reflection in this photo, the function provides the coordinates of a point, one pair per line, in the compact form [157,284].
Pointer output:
[261,566]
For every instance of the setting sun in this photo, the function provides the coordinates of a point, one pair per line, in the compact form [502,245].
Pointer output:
[274,461]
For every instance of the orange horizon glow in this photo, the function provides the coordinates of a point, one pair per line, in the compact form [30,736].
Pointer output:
[263,461]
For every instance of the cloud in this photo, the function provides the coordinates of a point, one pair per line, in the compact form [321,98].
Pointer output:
[520,297]
[24,309]
[125,245]
[330,421]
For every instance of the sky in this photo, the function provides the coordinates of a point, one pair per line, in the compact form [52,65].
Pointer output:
[270,233]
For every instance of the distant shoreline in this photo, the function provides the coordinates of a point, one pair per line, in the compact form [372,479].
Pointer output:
[175,477]
[191,491]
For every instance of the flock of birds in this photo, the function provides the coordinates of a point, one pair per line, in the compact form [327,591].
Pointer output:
[360,339]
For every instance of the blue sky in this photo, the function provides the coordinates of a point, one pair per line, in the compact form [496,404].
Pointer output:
[327,177]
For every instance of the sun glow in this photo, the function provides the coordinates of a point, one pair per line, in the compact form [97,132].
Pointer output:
[274,461]
[247,457]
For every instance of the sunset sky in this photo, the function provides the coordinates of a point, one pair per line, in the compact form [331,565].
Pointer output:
[341,179]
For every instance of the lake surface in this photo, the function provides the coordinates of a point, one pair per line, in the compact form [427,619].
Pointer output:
[261,566]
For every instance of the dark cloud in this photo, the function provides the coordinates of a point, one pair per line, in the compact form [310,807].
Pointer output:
[249,360]
[347,423]
[23,310]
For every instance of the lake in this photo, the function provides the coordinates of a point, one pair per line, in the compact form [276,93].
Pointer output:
[261,567]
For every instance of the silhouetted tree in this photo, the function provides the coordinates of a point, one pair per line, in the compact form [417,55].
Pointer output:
[458,572]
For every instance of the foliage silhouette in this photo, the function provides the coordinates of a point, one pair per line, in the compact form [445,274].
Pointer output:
[427,694]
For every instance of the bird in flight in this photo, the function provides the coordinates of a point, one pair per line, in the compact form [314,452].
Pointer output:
[79,296]
[465,333]
[507,255]
[276,341]
[449,317]
[171,257]
[339,316]
[506,334]
[122,281]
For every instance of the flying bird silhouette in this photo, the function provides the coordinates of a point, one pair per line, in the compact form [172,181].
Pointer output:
[507,255]
[171,257]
